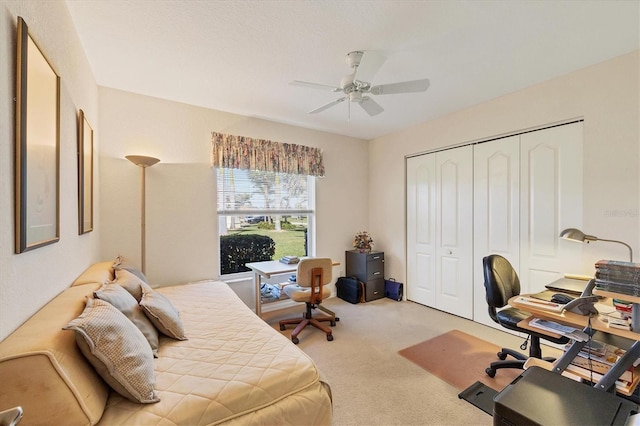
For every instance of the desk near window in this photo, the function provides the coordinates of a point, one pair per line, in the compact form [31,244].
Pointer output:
[585,322]
[267,270]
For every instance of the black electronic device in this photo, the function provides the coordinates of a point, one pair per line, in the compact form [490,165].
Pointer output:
[543,397]
[561,298]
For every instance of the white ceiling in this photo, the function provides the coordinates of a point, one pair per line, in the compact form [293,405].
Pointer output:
[239,56]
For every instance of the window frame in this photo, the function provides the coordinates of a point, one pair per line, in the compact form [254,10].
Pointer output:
[309,212]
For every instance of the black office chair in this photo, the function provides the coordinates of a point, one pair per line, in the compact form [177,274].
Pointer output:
[501,282]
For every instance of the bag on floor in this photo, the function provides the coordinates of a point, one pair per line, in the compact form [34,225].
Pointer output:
[393,289]
[350,289]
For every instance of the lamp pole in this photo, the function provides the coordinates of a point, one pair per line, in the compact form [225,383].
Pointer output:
[143,162]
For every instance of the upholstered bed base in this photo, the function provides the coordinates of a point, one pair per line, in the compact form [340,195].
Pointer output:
[234,368]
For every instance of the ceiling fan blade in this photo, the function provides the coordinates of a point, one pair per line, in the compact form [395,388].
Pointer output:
[327,106]
[370,106]
[369,65]
[315,86]
[404,87]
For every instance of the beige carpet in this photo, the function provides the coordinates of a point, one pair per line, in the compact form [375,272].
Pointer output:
[460,360]
[371,383]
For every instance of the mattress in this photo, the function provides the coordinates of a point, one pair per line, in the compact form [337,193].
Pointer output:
[234,369]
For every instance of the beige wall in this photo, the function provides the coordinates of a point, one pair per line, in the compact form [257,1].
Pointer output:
[606,96]
[364,187]
[29,280]
[182,238]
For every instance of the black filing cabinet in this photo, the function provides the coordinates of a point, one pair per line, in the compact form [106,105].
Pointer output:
[368,267]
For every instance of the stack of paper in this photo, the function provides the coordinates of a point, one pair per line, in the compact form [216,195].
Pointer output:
[563,330]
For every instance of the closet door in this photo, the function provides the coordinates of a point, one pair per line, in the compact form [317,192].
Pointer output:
[421,229]
[454,231]
[551,188]
[496,185]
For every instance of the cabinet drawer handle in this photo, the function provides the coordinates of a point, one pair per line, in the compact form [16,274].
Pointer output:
[376,257]
[376,273]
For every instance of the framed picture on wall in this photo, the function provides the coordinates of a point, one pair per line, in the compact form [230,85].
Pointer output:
[85,175]
[37,165]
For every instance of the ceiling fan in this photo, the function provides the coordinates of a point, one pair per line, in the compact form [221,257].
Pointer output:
[355,86]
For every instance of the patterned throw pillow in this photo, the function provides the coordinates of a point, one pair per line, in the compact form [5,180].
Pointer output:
[117,350]
[125,303]
[162,313]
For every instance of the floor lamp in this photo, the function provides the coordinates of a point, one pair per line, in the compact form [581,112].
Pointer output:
[143,162]
[574,234]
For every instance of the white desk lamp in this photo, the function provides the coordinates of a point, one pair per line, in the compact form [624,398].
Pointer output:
[143,162]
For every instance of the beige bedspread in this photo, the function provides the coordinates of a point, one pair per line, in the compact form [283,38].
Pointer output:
[234,368]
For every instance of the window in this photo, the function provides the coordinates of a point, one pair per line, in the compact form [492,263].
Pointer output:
[263,216]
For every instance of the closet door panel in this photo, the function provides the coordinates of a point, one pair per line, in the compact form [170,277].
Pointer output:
[421,235]
[496,212]
[551,161]
[454,232]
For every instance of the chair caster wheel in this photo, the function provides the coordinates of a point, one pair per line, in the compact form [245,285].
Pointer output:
[329,337]
[490,372]
[282,328]
[502,356]
[333,323]
[295,340]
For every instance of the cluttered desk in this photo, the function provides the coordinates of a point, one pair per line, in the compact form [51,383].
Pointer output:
[579,319]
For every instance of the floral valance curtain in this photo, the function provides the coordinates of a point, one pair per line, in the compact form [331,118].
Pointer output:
[240,152]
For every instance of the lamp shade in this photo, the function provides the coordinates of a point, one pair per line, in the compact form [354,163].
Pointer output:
[142,160]
[574,234]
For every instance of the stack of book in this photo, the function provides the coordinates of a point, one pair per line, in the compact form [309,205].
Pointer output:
[618,277]
[289,260]
[596,359]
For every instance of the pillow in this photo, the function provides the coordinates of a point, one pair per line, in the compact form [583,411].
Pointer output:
[116,349]
[123,301]
[122,263]
[162,313]
[130,282]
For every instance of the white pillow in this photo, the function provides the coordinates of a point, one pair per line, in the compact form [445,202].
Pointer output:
[125,303]
[117,350]
[131,282]
[162,313]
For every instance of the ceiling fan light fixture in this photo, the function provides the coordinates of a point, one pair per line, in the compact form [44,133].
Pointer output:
[355,97]
[365,65]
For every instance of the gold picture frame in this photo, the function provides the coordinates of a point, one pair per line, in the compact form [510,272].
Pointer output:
[85,174]
[37,164]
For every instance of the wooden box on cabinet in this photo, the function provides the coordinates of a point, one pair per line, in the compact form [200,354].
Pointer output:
[368,268]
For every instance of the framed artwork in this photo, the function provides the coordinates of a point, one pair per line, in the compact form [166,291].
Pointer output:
[37,165]
[85,175]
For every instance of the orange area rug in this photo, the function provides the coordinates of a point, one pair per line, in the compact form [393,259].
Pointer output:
[460,360]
